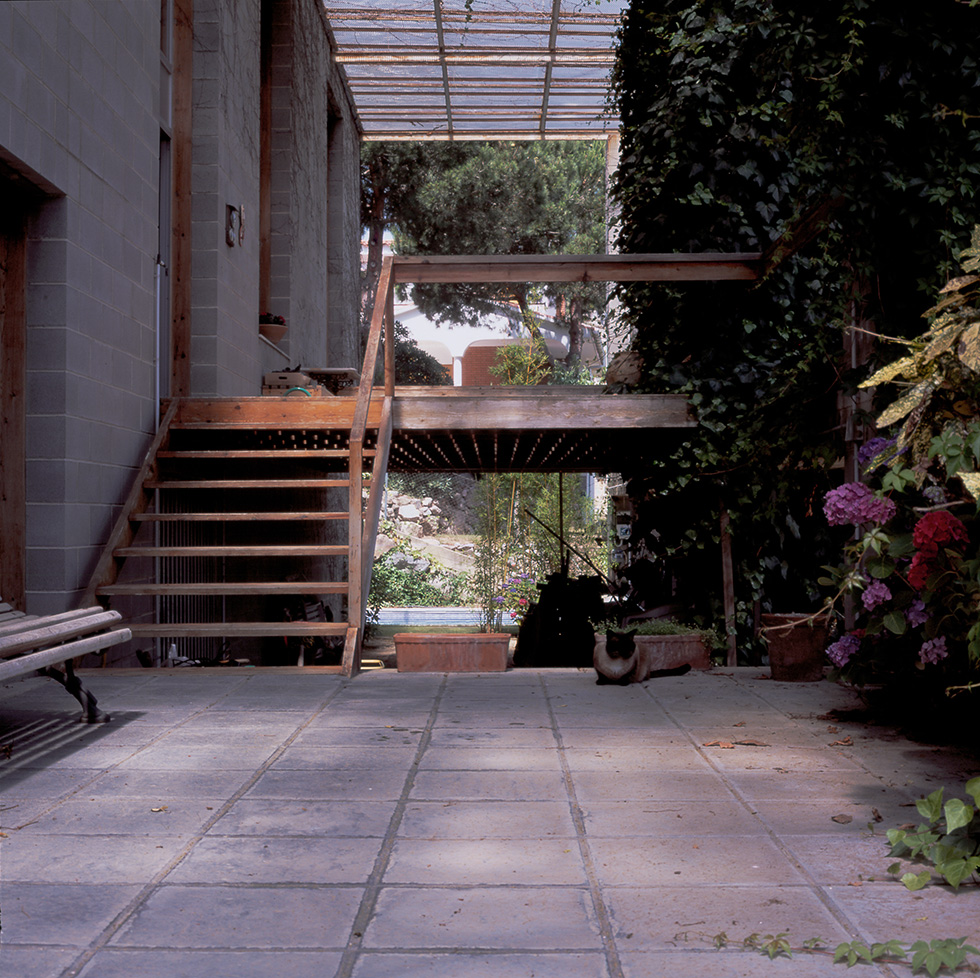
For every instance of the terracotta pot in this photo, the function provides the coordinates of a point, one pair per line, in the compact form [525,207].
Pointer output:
[796,646]
[434,652]
[273,332]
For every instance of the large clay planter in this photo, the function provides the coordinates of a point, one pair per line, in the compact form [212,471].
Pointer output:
[432,652]
[666,651]
[796,646]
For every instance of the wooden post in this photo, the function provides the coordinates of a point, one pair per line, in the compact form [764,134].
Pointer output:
[13,416]
[728,588]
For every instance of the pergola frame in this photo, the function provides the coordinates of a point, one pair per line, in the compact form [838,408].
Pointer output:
[505,69]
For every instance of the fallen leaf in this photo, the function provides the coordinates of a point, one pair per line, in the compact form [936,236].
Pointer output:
[832,729]
[856,883]
[842,819]
[876,815]
[751,743]
[162,808]
[843,742]
[741,723]
[724,744]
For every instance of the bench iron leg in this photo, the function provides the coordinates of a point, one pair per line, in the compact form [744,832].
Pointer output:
[90,707]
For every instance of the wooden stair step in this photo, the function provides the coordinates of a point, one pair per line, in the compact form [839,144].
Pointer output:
[255,629]
[286,550]
[279,454]
[230,587]
[247,484]
[277,516]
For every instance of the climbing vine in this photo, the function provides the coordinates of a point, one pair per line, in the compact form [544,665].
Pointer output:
[847,133]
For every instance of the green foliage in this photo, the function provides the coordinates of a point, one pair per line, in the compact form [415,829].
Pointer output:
[739,120]
[522,364]
[401,587]
[948,841]
[939,382]
[413,366]
[504,198]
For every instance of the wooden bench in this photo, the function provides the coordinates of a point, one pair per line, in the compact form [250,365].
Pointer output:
[40,644]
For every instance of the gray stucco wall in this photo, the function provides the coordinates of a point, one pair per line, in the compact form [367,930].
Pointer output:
[78,97]
[79,119]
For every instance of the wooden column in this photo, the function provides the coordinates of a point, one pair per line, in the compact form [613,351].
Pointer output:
[728,588]
[13,415]
[180,250]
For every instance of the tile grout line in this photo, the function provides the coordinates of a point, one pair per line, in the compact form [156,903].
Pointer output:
[815,888]
[613,964]
[117,923]
[372,889]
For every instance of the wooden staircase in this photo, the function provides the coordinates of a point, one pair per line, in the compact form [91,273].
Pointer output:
[242,510]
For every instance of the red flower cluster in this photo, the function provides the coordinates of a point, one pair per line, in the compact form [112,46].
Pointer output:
[934,531]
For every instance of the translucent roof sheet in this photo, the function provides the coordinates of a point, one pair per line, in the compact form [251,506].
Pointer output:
[502,69]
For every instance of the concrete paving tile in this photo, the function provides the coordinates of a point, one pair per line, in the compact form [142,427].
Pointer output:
[67,756]
[487,820]
[516,918]
[162,963]
[303,917]
[922,768]
[638,720]
[608,738]
[387,736]
[50,913]
[347,784]
[669,917]
[32,783]
[83,815]
[275,859]
[170,755]
[487,862]
[345,759]
[653,819]
[20,813]
[856,787]
[473,719]
[166,785]
[623,760]
[817,817]
[83,858]
[888,911]
[692,859]
[776,757]
[372,718]
[35,962]
[593,786]
[452,964]
[489,786]
[329,819]
[734,964]
[490,759]
[847,861]
[516,736]
[789,735]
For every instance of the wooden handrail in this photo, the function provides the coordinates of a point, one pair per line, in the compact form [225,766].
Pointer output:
[107,568]
[382,322]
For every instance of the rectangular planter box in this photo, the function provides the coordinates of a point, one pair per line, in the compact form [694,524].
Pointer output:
[432,652]
[668,651]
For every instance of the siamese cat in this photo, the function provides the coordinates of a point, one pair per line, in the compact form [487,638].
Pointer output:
[622,663]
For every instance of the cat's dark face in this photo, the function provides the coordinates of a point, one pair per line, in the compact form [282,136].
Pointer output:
[620,645]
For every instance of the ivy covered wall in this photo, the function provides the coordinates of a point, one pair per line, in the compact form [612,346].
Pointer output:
[744,122]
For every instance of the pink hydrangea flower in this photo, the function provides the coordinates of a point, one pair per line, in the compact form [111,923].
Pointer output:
[855,503]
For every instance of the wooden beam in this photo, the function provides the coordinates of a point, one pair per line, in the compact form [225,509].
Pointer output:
[270,412]
[576,268]
[539,411]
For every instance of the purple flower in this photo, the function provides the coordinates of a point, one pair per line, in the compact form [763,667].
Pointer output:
[855,503]
[915,613]
[875,593]
[841,652]
[873,449]
[933,650]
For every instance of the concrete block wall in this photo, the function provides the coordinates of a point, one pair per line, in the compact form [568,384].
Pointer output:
[78,102]
[225,349]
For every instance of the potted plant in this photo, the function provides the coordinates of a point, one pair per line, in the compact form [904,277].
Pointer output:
[796,646]
[273,328]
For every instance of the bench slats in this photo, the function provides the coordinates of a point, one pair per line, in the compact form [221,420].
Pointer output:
[26,638]
[23,665]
